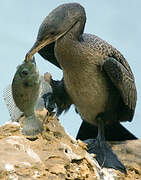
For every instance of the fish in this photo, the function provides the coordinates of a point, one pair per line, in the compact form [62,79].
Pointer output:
[25,91]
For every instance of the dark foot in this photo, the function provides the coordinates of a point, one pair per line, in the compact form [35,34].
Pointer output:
[49,101]
[104,154]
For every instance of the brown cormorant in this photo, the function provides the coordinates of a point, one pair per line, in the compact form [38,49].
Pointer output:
[97,77]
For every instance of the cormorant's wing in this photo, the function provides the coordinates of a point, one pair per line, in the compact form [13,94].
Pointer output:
[62,99]
[122,77]
[48,53]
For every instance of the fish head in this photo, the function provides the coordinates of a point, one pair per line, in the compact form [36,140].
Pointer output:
[26,87]
[28,73]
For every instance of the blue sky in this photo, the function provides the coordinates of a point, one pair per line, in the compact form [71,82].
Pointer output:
[117,22]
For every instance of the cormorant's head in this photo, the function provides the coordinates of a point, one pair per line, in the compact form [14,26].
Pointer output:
[56,24]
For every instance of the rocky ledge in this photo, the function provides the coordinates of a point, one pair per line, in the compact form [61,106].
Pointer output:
[55,155]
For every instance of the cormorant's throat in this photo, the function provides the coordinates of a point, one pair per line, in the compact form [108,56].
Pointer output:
[37,46]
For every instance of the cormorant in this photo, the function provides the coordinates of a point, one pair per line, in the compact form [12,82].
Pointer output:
[97,78]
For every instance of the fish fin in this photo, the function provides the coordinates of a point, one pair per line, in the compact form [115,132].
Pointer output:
[14,111]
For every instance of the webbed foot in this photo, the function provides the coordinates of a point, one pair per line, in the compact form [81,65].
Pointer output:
[104,154]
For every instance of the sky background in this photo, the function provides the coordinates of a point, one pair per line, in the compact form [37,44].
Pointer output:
[117,22]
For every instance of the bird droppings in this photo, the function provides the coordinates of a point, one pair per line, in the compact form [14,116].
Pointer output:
[68,151]
[10,122]
[25,164]
[13,140]
[16,142]
[57,158]
[32,154]
[109,174]
[9,167]
[36,174]
[13,177]
[82,144]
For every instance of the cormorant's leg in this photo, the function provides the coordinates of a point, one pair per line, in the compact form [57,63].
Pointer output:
[104,154]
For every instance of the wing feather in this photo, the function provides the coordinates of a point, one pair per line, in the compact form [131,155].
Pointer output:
[123,80]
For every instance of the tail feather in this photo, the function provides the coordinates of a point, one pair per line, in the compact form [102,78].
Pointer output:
[113,132]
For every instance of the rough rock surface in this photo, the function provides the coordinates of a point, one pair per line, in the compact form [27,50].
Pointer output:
[54,155]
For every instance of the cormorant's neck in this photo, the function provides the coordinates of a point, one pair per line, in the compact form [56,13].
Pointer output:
[66,46]
[76,29]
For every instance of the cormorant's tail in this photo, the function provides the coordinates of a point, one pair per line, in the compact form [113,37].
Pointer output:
[113,132]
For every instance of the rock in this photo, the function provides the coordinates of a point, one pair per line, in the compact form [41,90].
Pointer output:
[54,155]
[129,152]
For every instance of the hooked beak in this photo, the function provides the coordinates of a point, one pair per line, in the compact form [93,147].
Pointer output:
[37,46]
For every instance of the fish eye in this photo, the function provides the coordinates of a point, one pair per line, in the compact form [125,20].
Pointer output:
[24,72]
[52,33]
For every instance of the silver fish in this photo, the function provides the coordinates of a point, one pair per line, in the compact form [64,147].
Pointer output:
[25,91]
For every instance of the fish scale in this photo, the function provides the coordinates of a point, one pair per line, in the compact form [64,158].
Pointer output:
[21,98]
